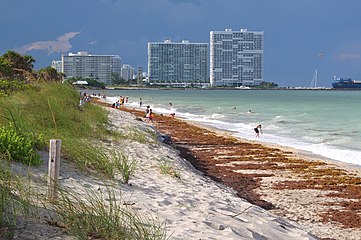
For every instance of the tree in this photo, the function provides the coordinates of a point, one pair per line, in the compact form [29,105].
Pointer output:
[91,82]
[94,83]
[17,61]
[267,85]
[49,74]
[21,66]
[117,79]
[5,68]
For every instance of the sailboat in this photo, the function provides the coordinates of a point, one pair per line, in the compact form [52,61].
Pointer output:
[314,80]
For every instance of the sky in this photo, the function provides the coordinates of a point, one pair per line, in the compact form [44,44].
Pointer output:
[300,36]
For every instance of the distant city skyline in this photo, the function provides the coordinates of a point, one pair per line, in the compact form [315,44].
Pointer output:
[300,36]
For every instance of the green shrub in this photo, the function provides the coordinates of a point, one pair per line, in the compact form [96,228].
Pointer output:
[8,87]
[20,147]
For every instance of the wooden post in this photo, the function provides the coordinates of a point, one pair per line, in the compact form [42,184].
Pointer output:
[54,165]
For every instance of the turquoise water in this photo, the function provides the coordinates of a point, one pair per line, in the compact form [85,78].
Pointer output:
[326,123]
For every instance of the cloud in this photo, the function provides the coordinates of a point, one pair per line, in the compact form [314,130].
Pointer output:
[346,56]
[92,42]
[195,2]
[61,44]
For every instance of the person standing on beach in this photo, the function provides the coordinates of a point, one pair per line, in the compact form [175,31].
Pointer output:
[81,104]
[258,129]
[140,103]
[146,111]
[122,100]
[150,116]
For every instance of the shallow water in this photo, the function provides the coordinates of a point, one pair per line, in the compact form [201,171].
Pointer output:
[327,123]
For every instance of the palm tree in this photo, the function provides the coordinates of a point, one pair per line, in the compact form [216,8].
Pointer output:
[22,66]
[17,61]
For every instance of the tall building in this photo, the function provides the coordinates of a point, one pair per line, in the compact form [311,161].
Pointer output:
[57,65]
[236,58]
[97,67]
[182,62]
[127,72]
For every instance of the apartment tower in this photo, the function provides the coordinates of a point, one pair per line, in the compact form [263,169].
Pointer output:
[181,62]
[96,67]
[236,58]
[127,72]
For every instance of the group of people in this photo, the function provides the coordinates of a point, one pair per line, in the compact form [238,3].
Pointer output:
[121,102]
[149,114]
[84,97]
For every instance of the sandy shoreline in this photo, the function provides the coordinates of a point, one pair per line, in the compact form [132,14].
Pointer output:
[207,200]
[322,195]
[194,206]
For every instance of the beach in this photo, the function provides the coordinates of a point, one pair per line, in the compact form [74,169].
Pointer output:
[222,187]
[321,195]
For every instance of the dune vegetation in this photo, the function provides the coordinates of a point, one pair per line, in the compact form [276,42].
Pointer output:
[35,106]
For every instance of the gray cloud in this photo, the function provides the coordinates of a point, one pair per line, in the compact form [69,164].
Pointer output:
[60,45]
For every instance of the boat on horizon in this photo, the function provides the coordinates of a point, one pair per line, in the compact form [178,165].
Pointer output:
[242,87]
[346,83]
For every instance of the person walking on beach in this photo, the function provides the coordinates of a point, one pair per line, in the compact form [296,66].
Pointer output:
[258,129]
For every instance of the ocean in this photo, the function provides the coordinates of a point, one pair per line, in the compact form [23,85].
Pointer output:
[325,123]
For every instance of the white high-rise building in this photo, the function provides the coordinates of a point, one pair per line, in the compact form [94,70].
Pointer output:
[181,62]
[236,58]
[97,67]
[127,72]
[57,65]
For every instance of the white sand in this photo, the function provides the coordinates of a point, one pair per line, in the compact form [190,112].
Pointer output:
[192,207]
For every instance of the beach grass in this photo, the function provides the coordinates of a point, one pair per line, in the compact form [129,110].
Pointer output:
[51,111]
[101,215]
[95,214]
[15,199]
[7,202]
[138,136]
[125,166]
[167,168]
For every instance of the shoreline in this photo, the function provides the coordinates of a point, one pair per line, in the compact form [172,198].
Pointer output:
[303,153]
[289,193]
[245,89]
[308,133]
